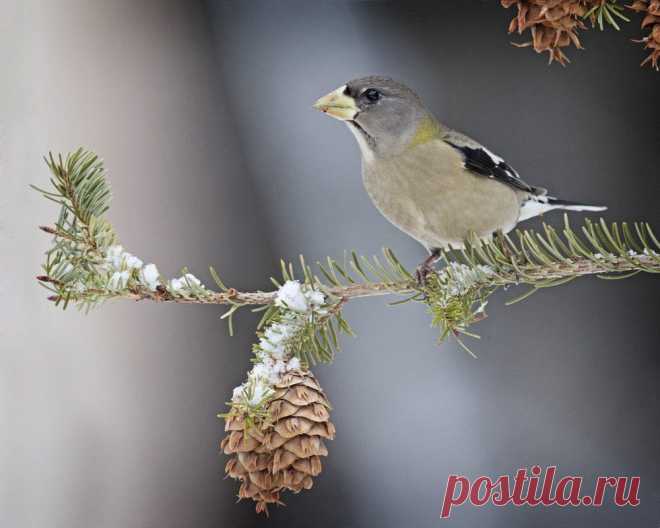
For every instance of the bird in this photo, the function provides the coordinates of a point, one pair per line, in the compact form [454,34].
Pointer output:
[435,184]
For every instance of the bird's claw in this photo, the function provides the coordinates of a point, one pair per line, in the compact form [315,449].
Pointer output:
[426,268]
[422,273]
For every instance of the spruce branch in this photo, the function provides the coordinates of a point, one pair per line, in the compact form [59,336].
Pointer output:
[651,21]
[281,404]
[556,25]
[85,266]
[538,276]
[606,12]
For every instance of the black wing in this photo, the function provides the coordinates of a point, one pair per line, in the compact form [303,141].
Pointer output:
[480,160]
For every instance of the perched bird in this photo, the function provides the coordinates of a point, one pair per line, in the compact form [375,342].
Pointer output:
[435,184]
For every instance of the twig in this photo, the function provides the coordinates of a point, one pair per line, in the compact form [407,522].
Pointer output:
[575,267]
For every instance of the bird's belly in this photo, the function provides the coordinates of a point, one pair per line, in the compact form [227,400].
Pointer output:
[440,204]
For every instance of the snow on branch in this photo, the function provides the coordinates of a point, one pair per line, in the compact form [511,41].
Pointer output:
[278,418]
[85,264]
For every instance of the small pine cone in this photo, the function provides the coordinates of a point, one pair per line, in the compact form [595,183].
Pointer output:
[554,24]
[652,21]
[285,454]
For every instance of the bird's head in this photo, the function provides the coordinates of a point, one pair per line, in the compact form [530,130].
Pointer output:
[385,116]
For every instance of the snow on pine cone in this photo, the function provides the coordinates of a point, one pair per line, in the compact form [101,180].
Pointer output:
[285,455]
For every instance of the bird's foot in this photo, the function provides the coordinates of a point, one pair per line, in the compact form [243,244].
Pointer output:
[426,268]
[421,275]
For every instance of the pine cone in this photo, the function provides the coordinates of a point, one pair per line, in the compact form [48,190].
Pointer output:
[652,20]
[554,24]
[285,452]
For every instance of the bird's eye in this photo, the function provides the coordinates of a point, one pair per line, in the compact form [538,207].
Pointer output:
[372,94]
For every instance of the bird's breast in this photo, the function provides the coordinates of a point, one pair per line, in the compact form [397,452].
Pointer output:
[427,193]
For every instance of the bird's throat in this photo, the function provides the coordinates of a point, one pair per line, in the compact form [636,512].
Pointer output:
[366,142]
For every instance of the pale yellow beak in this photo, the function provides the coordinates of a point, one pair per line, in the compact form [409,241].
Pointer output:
[338,105]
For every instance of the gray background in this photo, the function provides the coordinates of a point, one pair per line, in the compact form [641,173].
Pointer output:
[202,112]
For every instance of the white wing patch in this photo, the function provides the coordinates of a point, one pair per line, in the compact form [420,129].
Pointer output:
[497,159]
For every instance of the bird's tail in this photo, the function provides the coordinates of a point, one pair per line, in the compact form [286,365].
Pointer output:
[537,205]
[556,203]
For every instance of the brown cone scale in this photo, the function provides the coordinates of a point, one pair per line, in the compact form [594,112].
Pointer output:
[554,24]
[285,455]
[651,20]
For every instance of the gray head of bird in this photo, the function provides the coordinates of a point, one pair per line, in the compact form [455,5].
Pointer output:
[385,116]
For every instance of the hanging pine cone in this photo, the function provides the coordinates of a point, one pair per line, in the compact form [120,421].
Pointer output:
[652,20]
[554,24]
[284,452]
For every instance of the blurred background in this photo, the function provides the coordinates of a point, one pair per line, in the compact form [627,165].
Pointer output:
[202,112]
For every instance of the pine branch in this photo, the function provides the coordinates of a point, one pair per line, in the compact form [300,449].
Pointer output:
[556,26]
[85,266]
[576,268]
[302,319]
